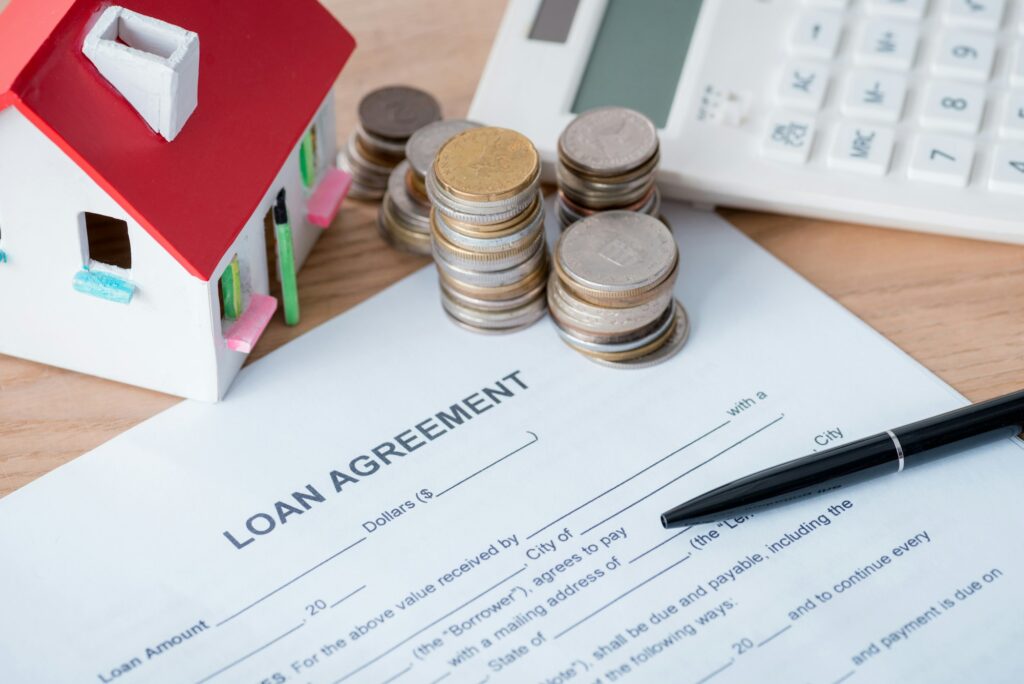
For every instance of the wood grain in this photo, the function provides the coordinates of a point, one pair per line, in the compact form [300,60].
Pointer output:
[957,306]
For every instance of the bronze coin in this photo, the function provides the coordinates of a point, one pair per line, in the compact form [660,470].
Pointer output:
[396,112]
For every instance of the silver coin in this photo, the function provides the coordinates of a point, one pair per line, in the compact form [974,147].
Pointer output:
[481,279]
[599,196]
[511,319]
[424,143]
[665,321]
[494,304]
[365,194]
[604,320]
[496,331]
[361,174]
[397,236]
[609,141]
[653,207]
[492,244]
[568,214]
[356,156]
[390,148]
[364,183]
[480,213]
[413,214]
[672,346]
[486,262]
[482,268]
[617,252]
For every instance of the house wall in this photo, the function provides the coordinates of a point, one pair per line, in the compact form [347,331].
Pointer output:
[171,336]
[161,340]
[250,246]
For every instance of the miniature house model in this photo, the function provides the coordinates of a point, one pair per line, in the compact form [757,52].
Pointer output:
[165,168]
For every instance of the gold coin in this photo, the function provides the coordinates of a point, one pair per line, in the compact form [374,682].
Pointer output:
[487,164]
[416,187]
[632,354]
[493,230]
[500,293]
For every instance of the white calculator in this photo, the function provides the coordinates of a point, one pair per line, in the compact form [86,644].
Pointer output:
[903,113]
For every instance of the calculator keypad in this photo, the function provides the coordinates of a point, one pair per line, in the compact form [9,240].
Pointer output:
[1012,125]
[803,85]
[942,159]
[1017,69]
[1008,169]
[965,54]
[953,106]
[874,94]
[816,34]
[869,78]
[862,148]
[911,9]
[789,138]
[982,14]
[888,43]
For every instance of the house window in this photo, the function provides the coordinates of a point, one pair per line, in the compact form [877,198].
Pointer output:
[309,158]
[107,241]
[106,259]
[231,291]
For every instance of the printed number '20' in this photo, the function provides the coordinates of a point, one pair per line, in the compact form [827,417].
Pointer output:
[742,646]
[316,606]
[964,51]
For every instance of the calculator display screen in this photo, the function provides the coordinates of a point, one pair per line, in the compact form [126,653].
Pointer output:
[638,56]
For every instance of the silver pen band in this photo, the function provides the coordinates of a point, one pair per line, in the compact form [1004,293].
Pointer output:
[899,448]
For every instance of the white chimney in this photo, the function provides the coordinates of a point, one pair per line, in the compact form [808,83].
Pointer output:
[153,64]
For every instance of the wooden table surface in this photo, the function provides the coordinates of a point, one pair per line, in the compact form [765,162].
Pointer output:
[957,306]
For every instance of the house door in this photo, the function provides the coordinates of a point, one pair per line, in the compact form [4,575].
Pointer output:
[281,259]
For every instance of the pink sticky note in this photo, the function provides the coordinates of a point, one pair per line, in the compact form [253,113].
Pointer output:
[327,198]
[243,335]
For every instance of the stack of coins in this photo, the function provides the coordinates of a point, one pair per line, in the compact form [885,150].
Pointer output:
[487,230]
[610,292]
[404,217]
[607,160]
[387,118]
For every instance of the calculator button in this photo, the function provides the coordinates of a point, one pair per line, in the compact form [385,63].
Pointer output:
[830,4]
[816,34]
[1008,169]
[788,138]
[942,159]
[965,54]
[875,95]
[862,148]
[953,106]
[1013,116]
[803,85]
[889,44]
[1017,67]
[912,9]
[984,14]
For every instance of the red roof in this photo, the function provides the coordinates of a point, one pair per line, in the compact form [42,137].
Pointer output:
[265,68]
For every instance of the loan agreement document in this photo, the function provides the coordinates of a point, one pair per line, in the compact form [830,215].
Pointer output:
[392,499]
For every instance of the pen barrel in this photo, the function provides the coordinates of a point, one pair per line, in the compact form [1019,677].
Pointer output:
[996,414]
[803,477]
[859,460]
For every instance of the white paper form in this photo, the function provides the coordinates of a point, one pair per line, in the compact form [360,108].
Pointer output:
[392,499]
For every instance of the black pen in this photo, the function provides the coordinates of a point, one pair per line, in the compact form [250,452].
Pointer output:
[887,452]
